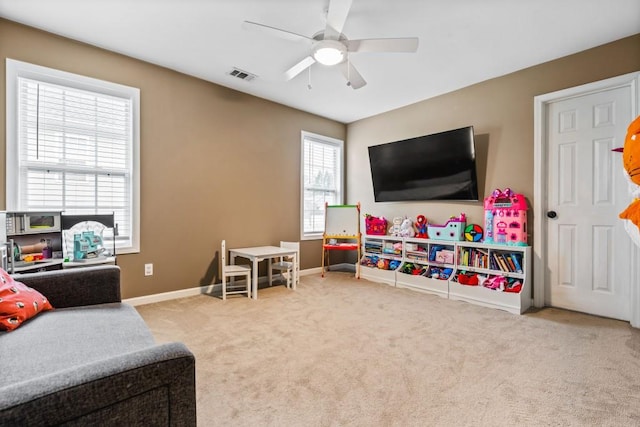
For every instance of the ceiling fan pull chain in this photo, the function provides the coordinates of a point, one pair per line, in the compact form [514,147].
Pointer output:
[348,69]
[309,84]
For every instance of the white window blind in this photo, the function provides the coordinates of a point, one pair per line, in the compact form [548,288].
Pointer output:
[322,178]
[74,151]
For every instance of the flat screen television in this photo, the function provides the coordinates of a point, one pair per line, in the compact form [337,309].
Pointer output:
[440,166]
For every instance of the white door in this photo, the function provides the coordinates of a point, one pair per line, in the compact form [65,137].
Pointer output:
[588,251]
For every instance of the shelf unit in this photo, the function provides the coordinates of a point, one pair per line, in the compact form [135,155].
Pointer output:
[385,247]
[454,258]
[435,261]
[28,235]
[491,261]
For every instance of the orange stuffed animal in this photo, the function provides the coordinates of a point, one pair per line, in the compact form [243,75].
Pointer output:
[631,162]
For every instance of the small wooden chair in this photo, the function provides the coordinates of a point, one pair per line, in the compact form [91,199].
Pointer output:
[233,271]
[285,264]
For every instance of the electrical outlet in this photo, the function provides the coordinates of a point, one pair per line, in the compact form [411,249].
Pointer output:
[148,269]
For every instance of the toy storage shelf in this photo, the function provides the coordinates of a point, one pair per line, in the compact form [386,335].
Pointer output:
[490,260]
[380,247]
[493,260]
[426,255]
[423,284]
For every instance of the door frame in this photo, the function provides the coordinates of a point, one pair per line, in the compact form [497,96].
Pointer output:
[541,287]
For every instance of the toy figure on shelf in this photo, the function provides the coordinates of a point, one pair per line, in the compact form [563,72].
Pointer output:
[395,228]
[421,227]
[406,228]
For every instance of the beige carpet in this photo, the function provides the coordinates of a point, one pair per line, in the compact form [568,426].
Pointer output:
[346,352]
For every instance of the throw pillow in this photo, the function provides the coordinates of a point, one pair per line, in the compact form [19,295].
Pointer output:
[18,302]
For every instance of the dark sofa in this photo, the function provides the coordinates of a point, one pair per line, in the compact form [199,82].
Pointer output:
[92,360]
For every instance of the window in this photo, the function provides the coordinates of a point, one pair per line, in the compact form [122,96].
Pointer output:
[72,145]
[322,180]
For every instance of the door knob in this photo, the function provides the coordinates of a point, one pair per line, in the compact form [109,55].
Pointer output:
[552,214]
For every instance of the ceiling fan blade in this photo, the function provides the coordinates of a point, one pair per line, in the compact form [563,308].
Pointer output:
[409,44]
[354,78]
[299,67]
[276,32]
[336,17]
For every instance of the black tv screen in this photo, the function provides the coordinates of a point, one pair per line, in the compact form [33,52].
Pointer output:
[440,166]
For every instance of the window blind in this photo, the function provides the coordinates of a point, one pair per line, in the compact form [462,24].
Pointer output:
[74,151]
[322,180]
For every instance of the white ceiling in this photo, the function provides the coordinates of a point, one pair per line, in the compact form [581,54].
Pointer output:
[462,42]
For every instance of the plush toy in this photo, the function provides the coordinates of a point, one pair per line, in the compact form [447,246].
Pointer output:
[383,264]
[421,227]
[394,230]
[406,228]
[631,162]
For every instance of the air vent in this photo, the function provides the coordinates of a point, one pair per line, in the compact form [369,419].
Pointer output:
[242,75]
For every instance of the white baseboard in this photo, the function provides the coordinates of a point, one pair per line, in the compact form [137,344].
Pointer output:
[198,290]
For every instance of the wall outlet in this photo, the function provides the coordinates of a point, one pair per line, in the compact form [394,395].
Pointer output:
[148,269]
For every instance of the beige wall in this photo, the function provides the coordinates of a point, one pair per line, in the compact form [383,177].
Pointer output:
[501,111]
[211,157]
[215,163]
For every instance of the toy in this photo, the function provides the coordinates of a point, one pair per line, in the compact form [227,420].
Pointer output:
[451,230]
[383,264]
[369,261]
[513,285]
[473,233]
[496,283]
[87,245]
[421,227]
[406,228]
[393,264]
[392,248]
[505,218]
[468,278]
[631,161]
[375,225]
[394,230]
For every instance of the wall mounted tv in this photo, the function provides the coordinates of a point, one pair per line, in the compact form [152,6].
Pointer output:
[440,166]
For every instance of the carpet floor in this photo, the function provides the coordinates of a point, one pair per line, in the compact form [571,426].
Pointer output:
[346,352]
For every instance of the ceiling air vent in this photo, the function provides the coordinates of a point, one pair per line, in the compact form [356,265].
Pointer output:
[242,75]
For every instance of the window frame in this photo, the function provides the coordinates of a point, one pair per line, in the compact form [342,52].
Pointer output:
[18,69]
[340,164]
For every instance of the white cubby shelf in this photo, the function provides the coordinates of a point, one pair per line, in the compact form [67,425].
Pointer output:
[433,266]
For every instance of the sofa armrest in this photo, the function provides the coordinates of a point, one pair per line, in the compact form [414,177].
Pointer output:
[77,286]
[153,386]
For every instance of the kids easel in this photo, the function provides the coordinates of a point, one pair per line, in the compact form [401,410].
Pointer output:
[341,231]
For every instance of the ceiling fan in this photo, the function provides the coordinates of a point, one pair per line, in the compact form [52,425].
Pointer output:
[330,47]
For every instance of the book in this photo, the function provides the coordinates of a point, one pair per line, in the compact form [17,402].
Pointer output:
[507,258]
[518,266]
[445,256]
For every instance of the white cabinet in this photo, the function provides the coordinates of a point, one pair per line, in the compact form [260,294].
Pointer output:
[496,276]
[382,255]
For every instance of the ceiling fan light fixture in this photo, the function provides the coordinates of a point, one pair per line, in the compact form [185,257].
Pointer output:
[329,52]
